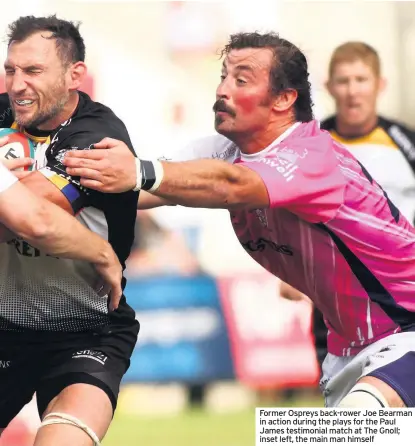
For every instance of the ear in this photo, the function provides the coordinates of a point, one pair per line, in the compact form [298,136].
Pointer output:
[77,73]
[382,84]
[285,100]
[329,86]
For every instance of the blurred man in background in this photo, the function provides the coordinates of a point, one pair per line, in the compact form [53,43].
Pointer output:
[385,147]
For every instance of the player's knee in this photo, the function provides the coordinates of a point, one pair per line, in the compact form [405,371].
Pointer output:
[364,395]
[63,418]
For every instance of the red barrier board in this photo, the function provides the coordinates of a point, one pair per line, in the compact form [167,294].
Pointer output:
[270,337]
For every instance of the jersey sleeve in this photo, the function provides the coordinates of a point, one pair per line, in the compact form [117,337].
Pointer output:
[304,178]
[81,134]
[7,179]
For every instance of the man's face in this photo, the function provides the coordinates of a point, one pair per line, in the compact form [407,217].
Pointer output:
[355,88]
[243,101]
[36,80]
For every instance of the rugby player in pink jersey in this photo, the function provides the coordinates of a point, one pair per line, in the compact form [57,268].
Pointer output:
[303,207]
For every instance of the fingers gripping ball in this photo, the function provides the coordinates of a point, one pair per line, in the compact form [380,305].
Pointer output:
[19,146]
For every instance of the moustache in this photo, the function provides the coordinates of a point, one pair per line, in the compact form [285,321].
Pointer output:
[220,106]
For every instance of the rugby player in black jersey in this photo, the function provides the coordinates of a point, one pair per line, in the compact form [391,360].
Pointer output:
[61,338]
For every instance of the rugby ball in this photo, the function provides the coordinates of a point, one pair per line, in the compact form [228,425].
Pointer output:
[19,146]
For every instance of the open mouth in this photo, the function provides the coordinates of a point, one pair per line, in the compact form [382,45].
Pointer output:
[24,102]
[353,106]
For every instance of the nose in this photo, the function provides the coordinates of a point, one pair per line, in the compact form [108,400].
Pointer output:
[223,90]
[353,87]
[17,83]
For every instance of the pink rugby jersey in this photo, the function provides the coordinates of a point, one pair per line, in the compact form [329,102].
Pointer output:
[332,233]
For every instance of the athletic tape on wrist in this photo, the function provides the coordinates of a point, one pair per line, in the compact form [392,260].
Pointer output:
[152,173]
[138,173]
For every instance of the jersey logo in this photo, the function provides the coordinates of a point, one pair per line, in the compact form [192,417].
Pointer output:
[230,151]
[291,155]
[4,364]
[61,155]
[25,249]
[91,354]
[261,244]
[55,137]
[282,166]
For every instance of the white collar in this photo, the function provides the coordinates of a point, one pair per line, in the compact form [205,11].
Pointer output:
[253,156]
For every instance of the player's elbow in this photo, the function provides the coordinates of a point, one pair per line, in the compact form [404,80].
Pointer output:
[236,197]
[245,190]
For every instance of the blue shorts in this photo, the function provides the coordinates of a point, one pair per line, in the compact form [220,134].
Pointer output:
[391,359]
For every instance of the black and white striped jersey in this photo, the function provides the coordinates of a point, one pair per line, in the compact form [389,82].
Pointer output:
[40,292]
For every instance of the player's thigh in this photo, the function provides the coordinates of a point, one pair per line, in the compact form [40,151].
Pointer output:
[390,367]
[391,396]
[394,378]
[390,360]
[80,413]
[100,360]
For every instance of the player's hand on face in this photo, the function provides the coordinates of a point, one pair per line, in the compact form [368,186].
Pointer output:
[111,275]
[14,164]
[109,167]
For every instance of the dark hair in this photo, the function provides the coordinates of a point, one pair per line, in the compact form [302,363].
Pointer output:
[289,71]
[69,43]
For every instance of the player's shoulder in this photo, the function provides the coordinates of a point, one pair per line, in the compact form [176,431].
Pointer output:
[6,115]
[396,128]
[387,122]
[91,122]
[401,135]
[306,136]
[90,111]
[303,146]
[216,147]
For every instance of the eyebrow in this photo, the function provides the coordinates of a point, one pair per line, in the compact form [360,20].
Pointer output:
[244,68]
[28,67]
[240,68]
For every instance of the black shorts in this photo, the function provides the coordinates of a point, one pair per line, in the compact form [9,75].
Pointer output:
[46,363]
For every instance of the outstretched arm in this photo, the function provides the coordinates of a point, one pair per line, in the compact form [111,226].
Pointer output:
[200,183]
[312,186]
[149,201]
[211,184]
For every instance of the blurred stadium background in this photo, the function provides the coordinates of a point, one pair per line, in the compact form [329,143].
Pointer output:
[216,339]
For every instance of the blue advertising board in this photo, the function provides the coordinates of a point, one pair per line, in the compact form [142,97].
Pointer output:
[183,336]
